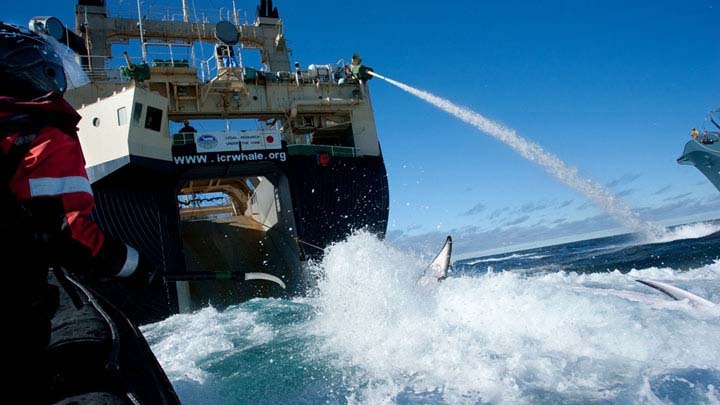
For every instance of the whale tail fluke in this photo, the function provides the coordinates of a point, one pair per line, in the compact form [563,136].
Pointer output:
[438,268]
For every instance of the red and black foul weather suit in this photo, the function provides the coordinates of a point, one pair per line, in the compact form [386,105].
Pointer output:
[46,203]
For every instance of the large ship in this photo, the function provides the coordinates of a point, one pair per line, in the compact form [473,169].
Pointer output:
[277,162]
[703,151]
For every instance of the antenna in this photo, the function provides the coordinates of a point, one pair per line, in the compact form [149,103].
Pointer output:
[87,42]
[235,15]
[142,38]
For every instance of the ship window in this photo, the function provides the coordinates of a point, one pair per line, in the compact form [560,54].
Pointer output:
[137,112]
[122,116]
[153,118]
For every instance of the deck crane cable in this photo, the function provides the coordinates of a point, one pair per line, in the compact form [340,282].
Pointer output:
[197,24]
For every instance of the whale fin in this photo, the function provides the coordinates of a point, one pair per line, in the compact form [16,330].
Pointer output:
[677,293]
[438,268]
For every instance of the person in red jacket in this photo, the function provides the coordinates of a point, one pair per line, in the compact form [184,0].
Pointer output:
[46,198]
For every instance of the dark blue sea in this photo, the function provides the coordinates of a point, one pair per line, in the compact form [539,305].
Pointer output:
[565,324]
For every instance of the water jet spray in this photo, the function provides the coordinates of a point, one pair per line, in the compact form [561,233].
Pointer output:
[601,196]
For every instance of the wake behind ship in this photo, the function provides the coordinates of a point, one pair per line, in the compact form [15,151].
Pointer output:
[224,214]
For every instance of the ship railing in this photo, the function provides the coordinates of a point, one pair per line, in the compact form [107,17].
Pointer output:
[188,138]
[168,54]
[183,138]
[214,67]
[104,69]
[106,75]
[210,67]
[100,69]
[156,12]
[217,66]
[205,70]
[314,149]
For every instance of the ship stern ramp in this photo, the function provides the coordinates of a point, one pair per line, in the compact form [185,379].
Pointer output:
[204,231]
[233,224]
[203,227]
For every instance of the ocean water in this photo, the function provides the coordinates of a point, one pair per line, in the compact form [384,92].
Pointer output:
[565,324]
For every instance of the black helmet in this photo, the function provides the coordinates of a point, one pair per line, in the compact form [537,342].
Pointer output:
[29,66]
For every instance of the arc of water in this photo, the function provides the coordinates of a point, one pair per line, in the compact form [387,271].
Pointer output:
[533,152]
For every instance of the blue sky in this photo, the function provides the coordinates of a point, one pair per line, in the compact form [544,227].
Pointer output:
[610,87]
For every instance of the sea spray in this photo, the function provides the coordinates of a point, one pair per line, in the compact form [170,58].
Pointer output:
[503,338]
[370,335]
[535,153]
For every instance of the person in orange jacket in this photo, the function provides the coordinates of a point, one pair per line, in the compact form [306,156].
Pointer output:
[46,198]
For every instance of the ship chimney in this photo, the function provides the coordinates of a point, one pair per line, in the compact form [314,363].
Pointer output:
[266,10]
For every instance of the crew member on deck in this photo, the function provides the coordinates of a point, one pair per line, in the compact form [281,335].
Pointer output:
[694,133]
[45,200]
[706,137]
[225,56]
[229,59]
[187,128]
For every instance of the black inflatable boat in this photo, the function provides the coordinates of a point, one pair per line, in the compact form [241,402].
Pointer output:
[98,356]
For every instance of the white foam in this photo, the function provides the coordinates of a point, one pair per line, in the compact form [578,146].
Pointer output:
[500,337]
[689,231]
[508,257]
[185,343]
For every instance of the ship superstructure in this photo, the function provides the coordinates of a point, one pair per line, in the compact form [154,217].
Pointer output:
[225,214]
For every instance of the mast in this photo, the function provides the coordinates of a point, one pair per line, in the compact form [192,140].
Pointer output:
[142,39]
[185,10]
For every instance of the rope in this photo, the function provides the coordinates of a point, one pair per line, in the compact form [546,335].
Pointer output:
[197,24]
[310,244]
[115,351]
